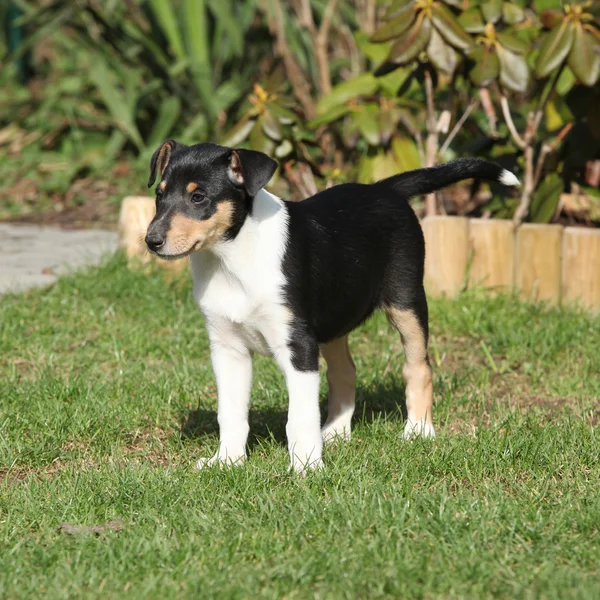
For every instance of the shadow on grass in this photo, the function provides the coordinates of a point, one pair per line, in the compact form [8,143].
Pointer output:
[386,399]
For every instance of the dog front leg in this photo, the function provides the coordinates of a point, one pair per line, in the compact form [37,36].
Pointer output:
[300,365]
[233,371]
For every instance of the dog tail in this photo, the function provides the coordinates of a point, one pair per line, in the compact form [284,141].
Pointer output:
[425,181]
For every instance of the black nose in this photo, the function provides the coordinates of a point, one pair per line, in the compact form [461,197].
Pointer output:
[154,241]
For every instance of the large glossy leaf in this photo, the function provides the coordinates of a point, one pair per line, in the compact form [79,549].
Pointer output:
[441,54]
[406,154]
[565,82]
[285,115]
[512,13]
[168,113]
[584,58]
[514,72]
[397,7]
[365,121]
[472,21]
[411,43]
[258,140]
[384,166]
[239,132]
[394,28]
[555,48]
[271,126]
[545,199]
[492,10]
[450,29]
[512,43]
[361,85]
[334,113]
[487,65]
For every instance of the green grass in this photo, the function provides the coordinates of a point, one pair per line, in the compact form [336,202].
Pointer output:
[107,399]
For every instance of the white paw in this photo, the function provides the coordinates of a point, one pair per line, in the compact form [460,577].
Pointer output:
[418,429]
[221,461]
[303,466]
[336,430]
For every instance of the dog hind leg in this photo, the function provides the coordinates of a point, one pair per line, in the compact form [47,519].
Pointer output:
[412,326]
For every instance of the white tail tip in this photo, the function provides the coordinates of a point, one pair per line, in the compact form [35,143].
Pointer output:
[508,178]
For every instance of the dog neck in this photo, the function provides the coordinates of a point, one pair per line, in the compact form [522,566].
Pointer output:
[260,244]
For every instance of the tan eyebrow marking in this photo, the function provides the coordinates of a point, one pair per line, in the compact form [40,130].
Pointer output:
[191,186]
[163,185]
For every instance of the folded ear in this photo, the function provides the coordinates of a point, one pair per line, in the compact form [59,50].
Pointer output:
[161,157]
[251,169]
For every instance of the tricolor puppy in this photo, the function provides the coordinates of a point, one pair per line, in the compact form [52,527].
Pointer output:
[292,279]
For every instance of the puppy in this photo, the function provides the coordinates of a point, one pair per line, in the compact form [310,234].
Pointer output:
[292,279]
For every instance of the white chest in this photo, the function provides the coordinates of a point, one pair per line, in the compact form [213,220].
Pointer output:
[239,287]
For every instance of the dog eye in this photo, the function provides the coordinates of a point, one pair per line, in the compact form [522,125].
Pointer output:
[197,198]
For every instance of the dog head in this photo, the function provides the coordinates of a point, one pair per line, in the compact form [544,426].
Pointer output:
[204,195]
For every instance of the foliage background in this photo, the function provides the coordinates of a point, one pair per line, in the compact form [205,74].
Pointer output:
[336,90]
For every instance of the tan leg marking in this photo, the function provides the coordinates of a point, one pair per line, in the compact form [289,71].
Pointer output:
[187,235]
[341,378]
[416,371]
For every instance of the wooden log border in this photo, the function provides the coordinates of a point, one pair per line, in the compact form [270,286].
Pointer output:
[544,262]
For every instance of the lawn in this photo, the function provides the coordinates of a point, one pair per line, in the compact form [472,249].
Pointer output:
[107,400]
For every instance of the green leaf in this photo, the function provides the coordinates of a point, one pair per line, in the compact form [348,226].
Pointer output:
[565,82]
[545,199]
[271,126]
[285,115]
[196,39]
[224,14]
[512,43]
[239,132]
[366,122]
[441,55]
[584,58]
[284,149]
[413,41]
[334,113]
[383,166]
[553,119]
[492,10]
[512,13]
[121,110]
[472,21]
[487,65]
[406,154]
[397,7]
[168,114]
[365,170]
[164,15]
[450,29]
[555,48]
[364,84]
[514,72]
[375,52]
[258,140]
[394,28]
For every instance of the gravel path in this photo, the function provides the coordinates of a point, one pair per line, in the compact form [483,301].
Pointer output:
[32,256]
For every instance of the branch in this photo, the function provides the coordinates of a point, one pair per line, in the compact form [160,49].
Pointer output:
[519,141]
[458,125]
[432,141]
[547,149]
[489,110]
[321,45]
[299,83]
